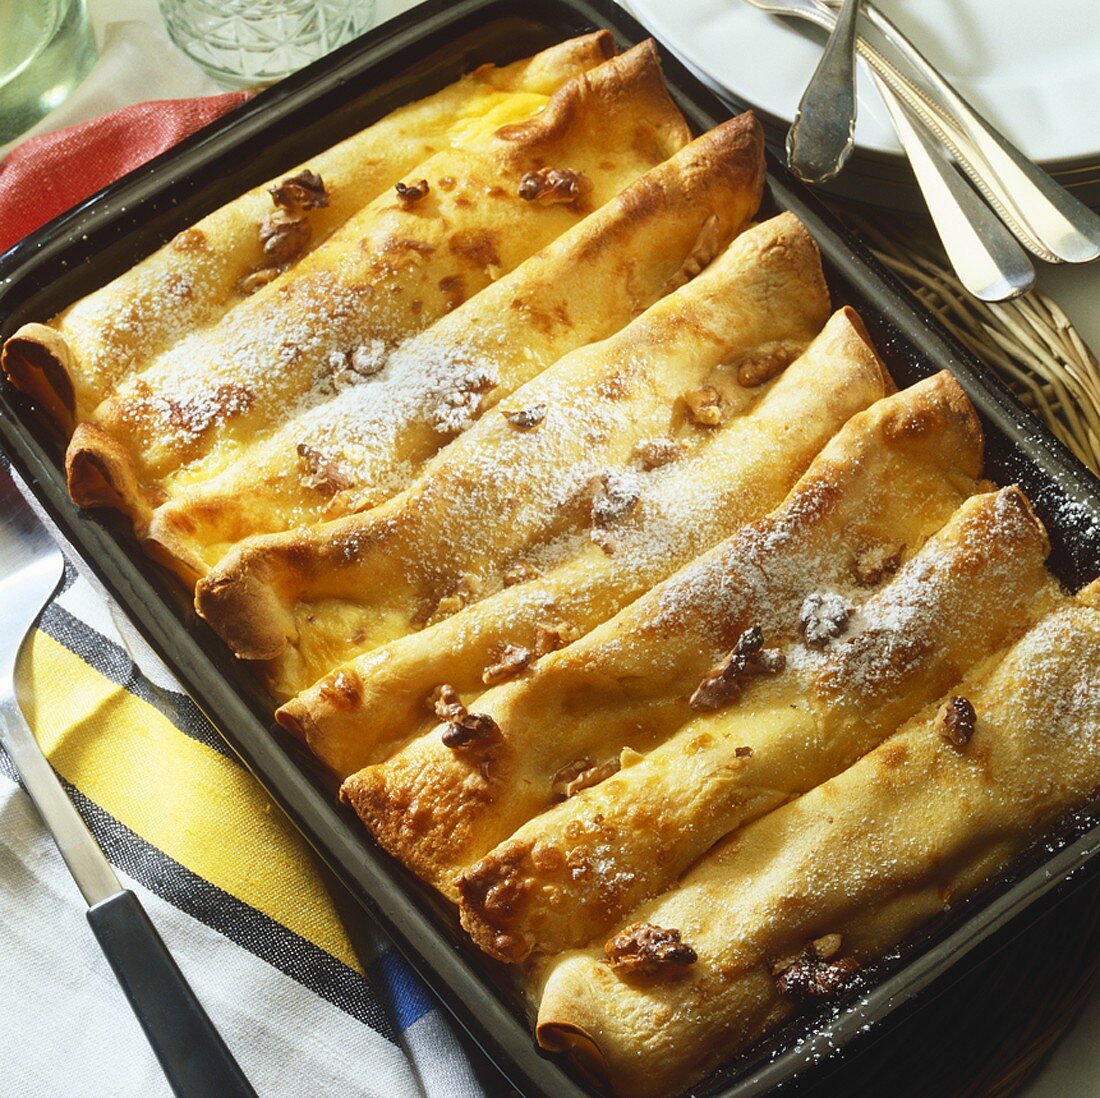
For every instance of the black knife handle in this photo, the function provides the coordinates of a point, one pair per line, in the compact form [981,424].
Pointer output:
[195,1059]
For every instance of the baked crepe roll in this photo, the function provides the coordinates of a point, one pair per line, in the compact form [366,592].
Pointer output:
[553,461]
[571,873]
[564,876]
[394,267]
[584,286]
[870,855]
[358,713]
[72,363]
[627,684]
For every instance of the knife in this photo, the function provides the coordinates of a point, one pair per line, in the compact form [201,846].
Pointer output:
[191,1052]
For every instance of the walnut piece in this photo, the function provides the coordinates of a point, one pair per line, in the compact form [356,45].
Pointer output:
[956,721]
[301,192]
[704,406]
[523,419]
[519,572]
[762,366]
[652,453]
[252,282]
[814,976]
[319,472]
[549,638]
[465,591]
[824,615]
[409,194]
[706,246]
[582,774]
[463,728]
[615,497]
[647,950]
[514,659]
[725,681]
[283,237]
[874,563]
[551,186]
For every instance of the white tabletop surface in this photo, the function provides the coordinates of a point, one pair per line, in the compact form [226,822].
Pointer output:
[1073,1070]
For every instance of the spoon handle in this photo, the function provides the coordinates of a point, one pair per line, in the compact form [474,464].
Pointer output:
[823,132]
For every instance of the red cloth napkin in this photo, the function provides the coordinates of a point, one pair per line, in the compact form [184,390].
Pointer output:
[47,174]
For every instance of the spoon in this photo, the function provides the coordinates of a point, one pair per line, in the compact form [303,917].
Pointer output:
[822,135]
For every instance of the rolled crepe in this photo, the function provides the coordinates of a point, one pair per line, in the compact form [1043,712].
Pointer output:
[883,481]
[71,364]
[587,284]
[550,464]
[570,874]
[360,712]
[387,273]
[868,856]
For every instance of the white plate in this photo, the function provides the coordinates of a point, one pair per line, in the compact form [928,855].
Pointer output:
[1031,66]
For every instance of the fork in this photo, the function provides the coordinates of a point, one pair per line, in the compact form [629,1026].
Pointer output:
[192,1054]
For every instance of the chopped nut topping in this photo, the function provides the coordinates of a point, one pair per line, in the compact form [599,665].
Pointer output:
[513,660]
[647,950]
[824,615]
[301,192]
[315,470]
[874,563]
[408,194]
[465,591]
[445,702]
[252,282]
[725,681]
[707,245]
[523,419]
[615,497]
[283,237]
[652,453]
[764,365]
[519,572]
[582,774]
[550,186]
[957,720]
[469,729]
[463,727]
[704,406]
[827,946]
[743,752]
[367,359]
[813,976]
[549,638]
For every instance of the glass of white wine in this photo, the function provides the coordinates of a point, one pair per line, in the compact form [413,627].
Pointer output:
[46,49]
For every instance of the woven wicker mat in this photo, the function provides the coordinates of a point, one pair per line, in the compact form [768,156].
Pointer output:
[1029,343]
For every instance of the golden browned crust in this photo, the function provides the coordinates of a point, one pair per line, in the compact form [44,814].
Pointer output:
[637,74]
[945,817]
[38,361]
[248,601]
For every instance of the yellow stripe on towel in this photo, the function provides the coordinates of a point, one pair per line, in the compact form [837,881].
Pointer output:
[199,807]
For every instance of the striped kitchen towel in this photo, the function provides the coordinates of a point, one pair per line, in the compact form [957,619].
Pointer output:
[241,901]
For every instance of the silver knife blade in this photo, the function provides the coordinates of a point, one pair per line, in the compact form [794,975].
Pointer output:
[31,567]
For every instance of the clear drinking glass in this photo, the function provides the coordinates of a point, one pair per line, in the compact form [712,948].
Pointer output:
[46,49]
[242,43]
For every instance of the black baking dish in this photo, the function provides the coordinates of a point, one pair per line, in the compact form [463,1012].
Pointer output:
[402,60]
